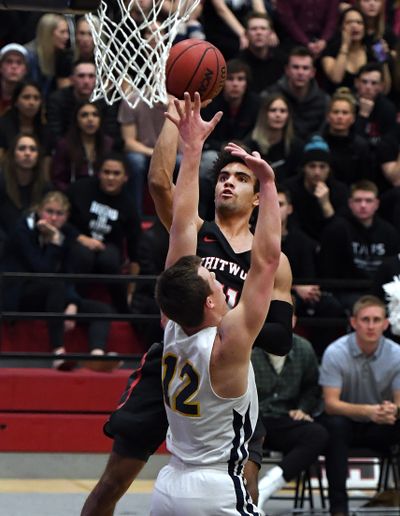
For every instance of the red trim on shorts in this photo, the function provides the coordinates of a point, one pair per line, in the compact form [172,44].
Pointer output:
[134,383]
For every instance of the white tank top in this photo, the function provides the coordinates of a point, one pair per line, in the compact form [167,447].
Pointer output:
[204,429]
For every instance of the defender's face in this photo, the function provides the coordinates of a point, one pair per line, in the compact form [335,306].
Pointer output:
[234,190]
[217,293]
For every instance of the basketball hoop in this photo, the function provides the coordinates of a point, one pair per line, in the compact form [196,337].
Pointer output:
[52,6]
[131,52]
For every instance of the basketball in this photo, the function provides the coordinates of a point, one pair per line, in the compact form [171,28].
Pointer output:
[195,65]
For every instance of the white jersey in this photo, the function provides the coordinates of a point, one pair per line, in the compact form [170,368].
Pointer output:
[204,428]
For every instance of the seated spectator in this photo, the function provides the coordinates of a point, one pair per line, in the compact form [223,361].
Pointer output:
[40,244]
[152,252]
[22,181]
[25,115]
[301,252]
[84,44]
[360,378]
[316,195]
[224,23]
[379,35]
[240,107]
[353,246]
[104,214]
[348,52]
[50,58]
[266,62]
[289,396]
[13,69]
[376,121]
[273,137]
[308,103]
[140,128]
[81,151]
[62,103]
[350,159]
[310,24]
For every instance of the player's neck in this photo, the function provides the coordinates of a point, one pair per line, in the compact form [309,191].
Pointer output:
[236,230]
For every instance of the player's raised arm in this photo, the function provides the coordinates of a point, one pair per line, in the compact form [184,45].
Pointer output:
[241,326]
[193,131]
[162,167]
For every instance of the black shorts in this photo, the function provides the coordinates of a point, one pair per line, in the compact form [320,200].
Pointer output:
[139,424]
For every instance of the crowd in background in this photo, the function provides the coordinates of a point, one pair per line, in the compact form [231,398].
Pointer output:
[313,86]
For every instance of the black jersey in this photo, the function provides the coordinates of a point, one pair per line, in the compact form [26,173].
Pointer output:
[217,255]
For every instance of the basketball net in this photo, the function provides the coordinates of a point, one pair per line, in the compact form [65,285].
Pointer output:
[132,47]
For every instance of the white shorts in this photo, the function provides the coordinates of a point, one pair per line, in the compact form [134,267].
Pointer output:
[199,491]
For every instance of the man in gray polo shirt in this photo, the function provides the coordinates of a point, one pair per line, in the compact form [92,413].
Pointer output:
[360,378]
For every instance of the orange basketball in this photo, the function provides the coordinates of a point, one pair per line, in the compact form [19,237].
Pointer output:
[195,65]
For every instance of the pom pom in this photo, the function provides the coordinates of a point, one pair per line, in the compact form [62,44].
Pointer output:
[392,291]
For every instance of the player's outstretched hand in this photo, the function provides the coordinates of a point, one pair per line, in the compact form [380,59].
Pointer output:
[256,164]
[192,128]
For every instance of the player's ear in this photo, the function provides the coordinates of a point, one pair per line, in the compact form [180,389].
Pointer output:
[209,302]
[256,200]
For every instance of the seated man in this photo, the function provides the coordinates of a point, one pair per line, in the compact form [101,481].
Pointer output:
[289,396]
[360,378]
[208,382]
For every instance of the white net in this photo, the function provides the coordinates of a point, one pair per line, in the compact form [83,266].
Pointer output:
[132,43]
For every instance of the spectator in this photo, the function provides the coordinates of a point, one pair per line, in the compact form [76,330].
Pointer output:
[140,128]
[376,121]
[379,35]
[105,216]
[316,195]
[350,160]
[81,151]
[347,53]
[23,181]
[84,44]
[62,103]
[354,246]
[307,101]
[273,137]
[40,244]
[240,107]
[25,115]
[224,23]
[360,378]
[266,62]
[301,251]
[152,252]
[50,58]
[288,396]
[311,25]
[13,69]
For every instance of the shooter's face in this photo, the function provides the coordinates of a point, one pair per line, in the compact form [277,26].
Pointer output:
[235,187]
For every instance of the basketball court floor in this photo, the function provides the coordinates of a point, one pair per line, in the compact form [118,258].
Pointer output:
[58,484]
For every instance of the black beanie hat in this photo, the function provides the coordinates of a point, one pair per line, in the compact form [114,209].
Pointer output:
[316,149]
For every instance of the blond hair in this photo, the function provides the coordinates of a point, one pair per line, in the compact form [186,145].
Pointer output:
[44,42]
[366,301]
[54,196]
[344,94]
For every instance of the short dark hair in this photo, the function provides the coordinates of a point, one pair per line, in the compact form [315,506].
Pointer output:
[236,66]
[181,292]
[370,67]
[225,158]
[78,62]
[254,15]
[114,156]
[300,51]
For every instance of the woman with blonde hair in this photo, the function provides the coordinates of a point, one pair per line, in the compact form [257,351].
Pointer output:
[273,137]
[50,59]
[350,156]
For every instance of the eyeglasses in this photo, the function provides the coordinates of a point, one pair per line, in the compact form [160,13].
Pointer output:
[31,148]
[58,213]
